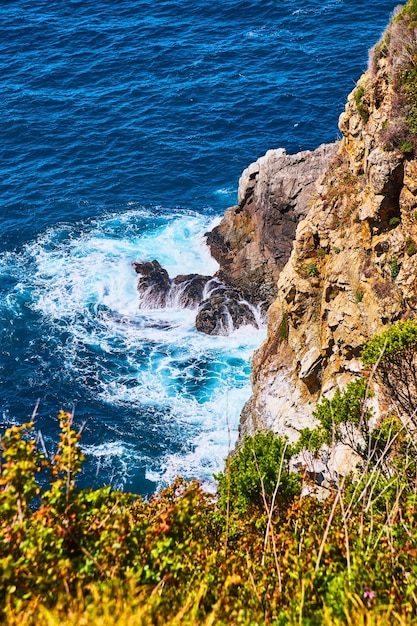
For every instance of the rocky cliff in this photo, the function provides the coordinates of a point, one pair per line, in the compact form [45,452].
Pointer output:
[254,240]
[352,269]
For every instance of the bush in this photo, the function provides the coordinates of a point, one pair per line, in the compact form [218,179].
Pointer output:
[410,246]
[393,221]
[394,267]
[406,147]
[342,419]
[394,353]
[283,329]
[312,270]
[255,471]
[363,109]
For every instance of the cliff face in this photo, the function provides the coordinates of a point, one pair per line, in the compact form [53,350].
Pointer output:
[353,266]
[254,240]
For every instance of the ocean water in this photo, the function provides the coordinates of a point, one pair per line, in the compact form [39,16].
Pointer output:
[124,129]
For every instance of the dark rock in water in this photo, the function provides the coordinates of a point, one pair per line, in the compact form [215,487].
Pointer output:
[188,289]
[154,284]
[221,308]
[223,311]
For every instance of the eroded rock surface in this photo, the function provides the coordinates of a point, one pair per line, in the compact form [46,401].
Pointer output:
[254,240]
[224,310]
[154,284]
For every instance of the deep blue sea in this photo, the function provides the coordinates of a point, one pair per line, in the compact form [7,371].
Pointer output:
[124,128]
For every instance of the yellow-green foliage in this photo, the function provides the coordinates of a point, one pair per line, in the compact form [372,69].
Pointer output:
[360,105]
[394,341]
[393,353]
[103,557]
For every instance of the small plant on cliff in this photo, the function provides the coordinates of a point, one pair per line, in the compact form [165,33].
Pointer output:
[406,147]
[342,419]
[360,104]
[394,267]
[312,270]
[410,246]
[394,221]
[283,329]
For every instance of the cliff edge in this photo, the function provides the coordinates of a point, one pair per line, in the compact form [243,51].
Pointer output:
[353,265]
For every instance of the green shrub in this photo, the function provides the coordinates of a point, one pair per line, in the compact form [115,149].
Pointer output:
[253,473]
[390,343]
[340,419]
[394,352]
[360,105]
[359,296]
[283,329]
[312,270]
[406,147]
[393,221]
[394,267]
[410,246]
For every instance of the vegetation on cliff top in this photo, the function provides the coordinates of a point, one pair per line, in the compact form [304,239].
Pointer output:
[398,48]
[258,552]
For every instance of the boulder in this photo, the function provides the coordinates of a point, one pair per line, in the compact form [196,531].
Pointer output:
[188,289]
[154,284]
[221,308]
[223,311]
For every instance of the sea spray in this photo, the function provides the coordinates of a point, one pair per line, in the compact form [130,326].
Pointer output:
[159,376]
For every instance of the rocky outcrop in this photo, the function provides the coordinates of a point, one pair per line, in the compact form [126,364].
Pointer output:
[254,240]
[353,265]
[154,284]
[223,310]
[188,290]
[220,308]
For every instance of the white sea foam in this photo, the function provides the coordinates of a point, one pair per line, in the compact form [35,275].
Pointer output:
[105,457]
[82,283]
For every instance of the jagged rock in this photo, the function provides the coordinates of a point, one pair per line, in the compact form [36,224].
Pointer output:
[189,289]
[154,284]
[254,240]
[223,311]
[310,367]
